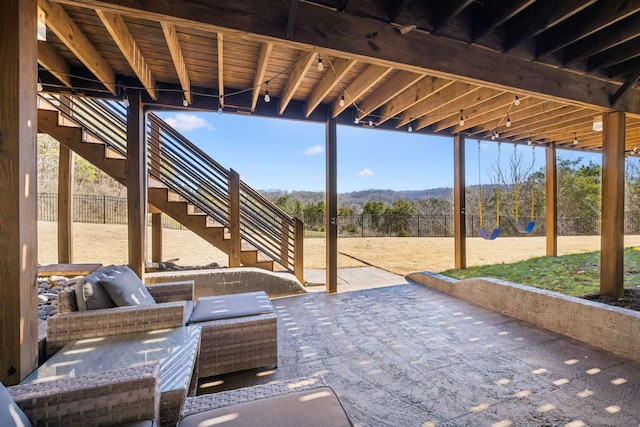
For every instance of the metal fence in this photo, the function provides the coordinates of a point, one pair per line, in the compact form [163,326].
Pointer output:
[93,209]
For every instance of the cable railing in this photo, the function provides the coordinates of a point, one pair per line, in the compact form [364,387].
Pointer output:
[185,169]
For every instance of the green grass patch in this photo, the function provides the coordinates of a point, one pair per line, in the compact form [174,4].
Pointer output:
[574,274]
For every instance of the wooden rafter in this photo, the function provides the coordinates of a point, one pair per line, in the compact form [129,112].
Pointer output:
[171,37]
[396,8]
[261,69]
[291,21]
[412,96]
[494,114]
[530,118]
[400,82]
[589,21]
[54,63]
[492,18]
[453,109]
[367,79]
[559,123]
[448,92]
[338,69]
[470,108]
[220,39]
[446,11]
[631,80]
[129,48]
[541,16]
[617,55]
[71,35]
[295,78]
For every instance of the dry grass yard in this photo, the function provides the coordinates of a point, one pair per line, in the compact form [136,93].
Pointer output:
[108,244]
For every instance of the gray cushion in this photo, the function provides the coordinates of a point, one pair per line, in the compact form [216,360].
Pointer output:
[89,293]
[125,287]
[311,408]
[10,414]
[231,306]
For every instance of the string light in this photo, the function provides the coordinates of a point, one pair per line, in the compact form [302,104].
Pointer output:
[185,103]
[370,122]
[508,122]
[529,142]
[39,87]
[410,128]
[461,119]
[267,98]
[356,121]
[320,64]
[125,100]
[342,100]
[516,100]
[575,139]
[497,135]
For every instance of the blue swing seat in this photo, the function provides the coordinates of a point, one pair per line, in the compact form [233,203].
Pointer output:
[485,235]
[526,229]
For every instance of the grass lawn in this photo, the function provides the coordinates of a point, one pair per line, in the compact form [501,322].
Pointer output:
[574,274]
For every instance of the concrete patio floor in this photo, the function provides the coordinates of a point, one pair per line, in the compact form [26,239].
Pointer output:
[408,355]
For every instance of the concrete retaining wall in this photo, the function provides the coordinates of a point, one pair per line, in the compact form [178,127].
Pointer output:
[604,326]
[223,281]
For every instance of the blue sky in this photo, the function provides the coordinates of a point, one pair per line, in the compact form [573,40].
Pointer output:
[290,155]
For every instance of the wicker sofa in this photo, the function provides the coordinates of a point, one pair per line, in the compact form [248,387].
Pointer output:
[238,331]
[125,397]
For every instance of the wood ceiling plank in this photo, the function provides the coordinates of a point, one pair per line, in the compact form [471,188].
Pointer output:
[78,43]
[261,69]
[338,69]
[171,37]
[123,38]
[360,85]
[449,92]
[295,78]
[220,44]
[54,63]
[472,112]
[453,110]
[418,92]
[490,118]
[549,125]
[395,85]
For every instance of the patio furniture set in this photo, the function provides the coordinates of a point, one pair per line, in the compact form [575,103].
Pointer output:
[122,353]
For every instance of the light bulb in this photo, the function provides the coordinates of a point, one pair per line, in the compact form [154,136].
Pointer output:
[356,121]
[320,64]
[461,119]
[125,100]
[370,122]
[342,101]
[410,129]
[267,98]
[497,135]
[493,137]
[508,122]
[39,86]
[516,100]
[184,102]
[529,141]
[575,139]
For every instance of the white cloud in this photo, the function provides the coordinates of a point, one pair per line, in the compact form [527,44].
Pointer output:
[365,172]
[312,151]
[184,122]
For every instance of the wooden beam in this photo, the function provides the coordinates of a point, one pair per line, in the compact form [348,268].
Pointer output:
[541,16]
[71,35]
[607,38]
[379,43]
[618,55]
[339,68]
[446,96]
[612,217]
[425,88]
[459,203]
[220,39]
[54,63]
[493,17]
[261,69]
[400,82]
[551,185]
[365,81]
[136,183]
[295,78]
[331,216]
[65,205]
[446,11]
[171,37]
[18,210]
[291,20]
[120,34]
[590,21]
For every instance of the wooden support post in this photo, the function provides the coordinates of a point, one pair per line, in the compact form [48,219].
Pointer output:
[18,210]
[459,203]
[234,219]
[552,201]
[65,205]
[136,183]
[298,249]
[156,236]
[331,216]
[612,218]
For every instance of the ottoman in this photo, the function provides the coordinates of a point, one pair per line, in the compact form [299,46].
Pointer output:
[238,332]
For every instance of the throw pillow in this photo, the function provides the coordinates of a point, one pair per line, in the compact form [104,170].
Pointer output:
[89,293]
[125,288]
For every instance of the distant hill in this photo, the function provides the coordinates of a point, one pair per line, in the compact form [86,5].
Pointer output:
[360,198]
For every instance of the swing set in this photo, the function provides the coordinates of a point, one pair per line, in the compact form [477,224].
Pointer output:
[526,229]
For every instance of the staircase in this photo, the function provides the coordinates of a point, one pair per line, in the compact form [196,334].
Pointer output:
[184,182]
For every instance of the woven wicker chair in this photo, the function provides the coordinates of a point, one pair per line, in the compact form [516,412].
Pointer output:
[298,402]
[128,396]
[175,304]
